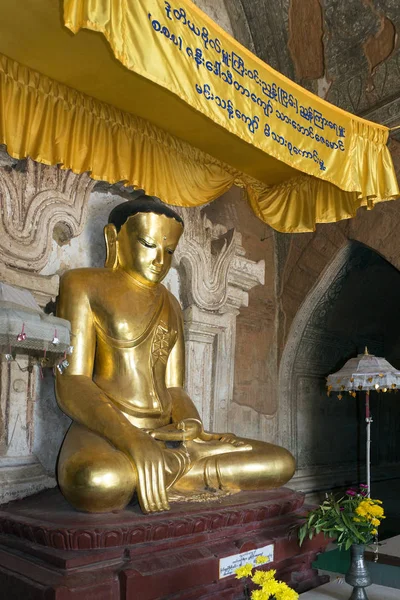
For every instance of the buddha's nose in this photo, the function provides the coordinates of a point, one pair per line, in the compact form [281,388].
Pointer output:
[159,259]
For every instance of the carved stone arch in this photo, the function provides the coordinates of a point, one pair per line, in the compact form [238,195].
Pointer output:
[339,316]
[286,411]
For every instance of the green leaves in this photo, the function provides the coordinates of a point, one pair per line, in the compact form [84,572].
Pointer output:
[337,519]
[302,533]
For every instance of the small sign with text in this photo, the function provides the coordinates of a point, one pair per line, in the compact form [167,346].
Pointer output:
[229,564]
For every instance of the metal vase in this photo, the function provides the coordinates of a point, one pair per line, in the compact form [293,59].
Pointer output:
[358,575]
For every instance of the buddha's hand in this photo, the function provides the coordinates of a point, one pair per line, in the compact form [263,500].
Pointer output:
[182,431]
[149,462]
[227,438]
[192,429]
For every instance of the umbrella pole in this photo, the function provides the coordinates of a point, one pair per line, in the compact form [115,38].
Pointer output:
[368,421]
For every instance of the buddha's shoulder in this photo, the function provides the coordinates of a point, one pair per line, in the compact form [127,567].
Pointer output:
[174,302]
[88,279]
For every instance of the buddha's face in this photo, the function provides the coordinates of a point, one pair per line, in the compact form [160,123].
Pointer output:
[146,243]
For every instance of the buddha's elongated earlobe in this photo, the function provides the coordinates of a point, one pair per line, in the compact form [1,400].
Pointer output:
[110,236]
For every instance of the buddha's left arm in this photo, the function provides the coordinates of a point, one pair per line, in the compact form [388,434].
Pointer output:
[185,416]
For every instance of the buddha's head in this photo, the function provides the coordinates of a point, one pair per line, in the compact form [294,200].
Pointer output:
[141,237]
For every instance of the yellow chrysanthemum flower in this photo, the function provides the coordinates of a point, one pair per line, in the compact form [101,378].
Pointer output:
[375,522]
[260,560]
[284,592]
[360,510]
[244,571]
[374,531]
[376,511]
[259,595]
[271,587]
[356,519]
[261,577]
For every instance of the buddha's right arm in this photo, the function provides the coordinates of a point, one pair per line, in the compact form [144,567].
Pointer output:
[85,403]
[77,394]
[82,400]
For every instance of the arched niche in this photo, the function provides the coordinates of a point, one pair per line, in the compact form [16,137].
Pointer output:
[354,303]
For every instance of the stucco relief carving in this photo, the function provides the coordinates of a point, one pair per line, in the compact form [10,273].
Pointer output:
[215,278]
[37,202]
[215,275]
[20,472]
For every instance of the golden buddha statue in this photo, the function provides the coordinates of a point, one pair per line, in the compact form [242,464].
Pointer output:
[134,427]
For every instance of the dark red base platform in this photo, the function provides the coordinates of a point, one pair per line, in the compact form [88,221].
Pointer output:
[48,551]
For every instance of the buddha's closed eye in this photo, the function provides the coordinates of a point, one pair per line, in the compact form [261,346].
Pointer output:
[147,243]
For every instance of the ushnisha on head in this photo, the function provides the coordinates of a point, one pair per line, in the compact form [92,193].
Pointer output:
[141,237]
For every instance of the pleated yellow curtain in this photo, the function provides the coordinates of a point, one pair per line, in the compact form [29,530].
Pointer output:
[55,124]
[177,46]
[299,203]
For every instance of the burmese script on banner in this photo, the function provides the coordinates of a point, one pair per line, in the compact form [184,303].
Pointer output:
[175,45]
[227,85]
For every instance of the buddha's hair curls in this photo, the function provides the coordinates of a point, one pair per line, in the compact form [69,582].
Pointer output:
[140,204]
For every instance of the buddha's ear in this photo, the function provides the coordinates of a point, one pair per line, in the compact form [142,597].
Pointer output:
[110,236]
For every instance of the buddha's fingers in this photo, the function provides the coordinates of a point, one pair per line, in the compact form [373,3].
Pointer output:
[143,501]
[150,487]
[156,489]
[163,490]
[227,437]
[237,443]
[172,435]
[233,446]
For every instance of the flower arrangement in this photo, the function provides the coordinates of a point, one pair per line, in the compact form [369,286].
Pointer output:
[352,519]
[271,588]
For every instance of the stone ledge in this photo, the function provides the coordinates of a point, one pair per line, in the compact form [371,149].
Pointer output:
[19,480]
[47,519]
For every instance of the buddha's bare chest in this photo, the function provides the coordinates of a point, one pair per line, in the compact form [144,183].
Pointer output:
[126,316]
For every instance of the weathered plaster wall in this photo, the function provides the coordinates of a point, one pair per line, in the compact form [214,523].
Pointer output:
[257,321]
[347,52]
[217,11]
[308,255]
[254,404]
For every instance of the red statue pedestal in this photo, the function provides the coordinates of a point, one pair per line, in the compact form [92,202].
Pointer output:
[48,551]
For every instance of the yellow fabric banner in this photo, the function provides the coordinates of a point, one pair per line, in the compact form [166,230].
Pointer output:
[54,124]
[65,100]
[174,44]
